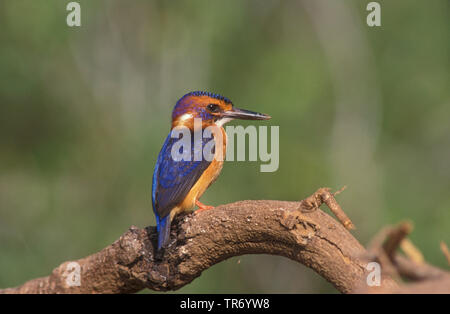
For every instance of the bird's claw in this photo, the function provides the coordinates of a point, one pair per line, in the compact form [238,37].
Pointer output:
[202,207]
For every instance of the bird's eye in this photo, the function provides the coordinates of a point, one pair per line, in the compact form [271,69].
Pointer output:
[213,108]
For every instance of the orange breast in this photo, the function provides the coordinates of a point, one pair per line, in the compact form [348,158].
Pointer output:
[206,179]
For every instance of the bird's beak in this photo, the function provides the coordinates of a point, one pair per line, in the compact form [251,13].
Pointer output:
[242,114]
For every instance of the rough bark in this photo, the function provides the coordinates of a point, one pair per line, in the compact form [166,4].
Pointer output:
[297,230]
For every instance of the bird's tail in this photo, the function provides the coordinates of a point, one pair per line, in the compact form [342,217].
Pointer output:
[164,232]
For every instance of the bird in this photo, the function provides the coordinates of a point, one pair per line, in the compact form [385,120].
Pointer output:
[177,185]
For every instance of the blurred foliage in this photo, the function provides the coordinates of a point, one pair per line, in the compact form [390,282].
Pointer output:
[85,110]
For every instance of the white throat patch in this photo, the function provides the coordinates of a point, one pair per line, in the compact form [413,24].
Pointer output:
[222,121]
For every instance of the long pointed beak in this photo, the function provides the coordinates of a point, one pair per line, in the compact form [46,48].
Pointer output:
[242,114]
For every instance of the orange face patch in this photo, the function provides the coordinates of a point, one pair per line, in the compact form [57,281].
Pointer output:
[200,105]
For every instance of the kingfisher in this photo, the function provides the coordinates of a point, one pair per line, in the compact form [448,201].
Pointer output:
[178,183]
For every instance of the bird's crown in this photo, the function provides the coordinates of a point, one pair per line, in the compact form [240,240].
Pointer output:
[207,94]
[200,104]
[211,109]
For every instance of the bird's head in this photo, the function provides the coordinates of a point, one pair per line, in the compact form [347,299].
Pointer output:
[211,108]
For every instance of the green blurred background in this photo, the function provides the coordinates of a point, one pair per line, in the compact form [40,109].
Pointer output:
[84,112]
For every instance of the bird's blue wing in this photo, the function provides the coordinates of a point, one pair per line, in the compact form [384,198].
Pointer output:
[172,180]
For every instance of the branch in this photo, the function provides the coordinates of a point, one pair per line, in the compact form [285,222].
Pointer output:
[423,278]
[445,251]
[299,231]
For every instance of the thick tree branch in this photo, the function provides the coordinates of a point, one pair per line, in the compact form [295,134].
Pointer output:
[297,230]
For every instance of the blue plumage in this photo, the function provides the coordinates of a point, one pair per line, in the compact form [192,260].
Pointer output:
[172,181]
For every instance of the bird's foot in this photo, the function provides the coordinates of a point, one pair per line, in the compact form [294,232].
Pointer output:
[202,207]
